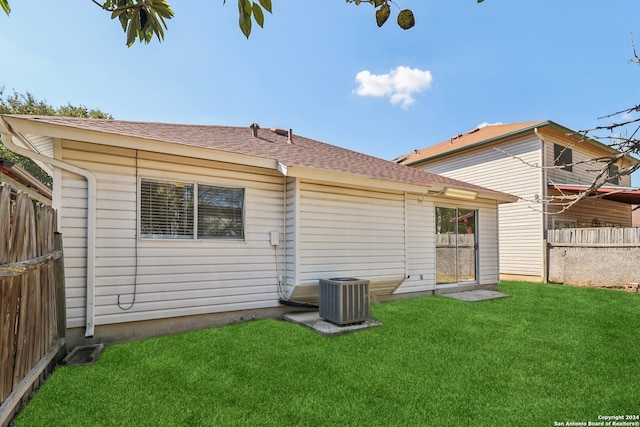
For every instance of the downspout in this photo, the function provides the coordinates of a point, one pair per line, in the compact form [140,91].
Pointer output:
[406,240]
[282,168]
[545,213]
[91,212]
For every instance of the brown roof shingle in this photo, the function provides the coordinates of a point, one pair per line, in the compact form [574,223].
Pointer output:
[267,144]
[473,137]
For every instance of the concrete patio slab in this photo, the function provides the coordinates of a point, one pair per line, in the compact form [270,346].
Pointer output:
[312,320]
[475,295]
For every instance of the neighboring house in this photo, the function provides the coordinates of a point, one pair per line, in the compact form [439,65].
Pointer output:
[508,158]
[171,227]
[635,216]
[21,180]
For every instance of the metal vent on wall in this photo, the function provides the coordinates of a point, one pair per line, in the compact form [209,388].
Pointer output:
[344,300]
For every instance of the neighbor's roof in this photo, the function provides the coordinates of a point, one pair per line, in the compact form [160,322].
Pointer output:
[22,176]
[477,136]
[486,135]
[626,195]
[302,152]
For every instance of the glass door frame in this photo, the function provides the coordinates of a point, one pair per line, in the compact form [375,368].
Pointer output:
[461,217]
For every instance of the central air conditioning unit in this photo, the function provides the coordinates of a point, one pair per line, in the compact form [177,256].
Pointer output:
[344,300]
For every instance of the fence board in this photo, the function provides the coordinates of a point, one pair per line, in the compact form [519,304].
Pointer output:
[595,237]
[29,328]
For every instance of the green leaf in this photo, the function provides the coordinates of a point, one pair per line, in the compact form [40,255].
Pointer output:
[245,7]
[162,9]
[116,13]
[480,1]
[143,18]
[406,19]
[5,6]
[382,15]
[266,5]
[133,29]
[124,20]
[257,14]
[245,24]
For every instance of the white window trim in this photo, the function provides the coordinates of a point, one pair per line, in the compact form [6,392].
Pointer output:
[194,236]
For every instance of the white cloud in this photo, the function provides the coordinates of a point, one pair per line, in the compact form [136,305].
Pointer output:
[485,124]
[400,84]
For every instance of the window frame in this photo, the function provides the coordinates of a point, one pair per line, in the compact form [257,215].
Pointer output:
[563,157]
[194,235]
[457,233]
[197,230]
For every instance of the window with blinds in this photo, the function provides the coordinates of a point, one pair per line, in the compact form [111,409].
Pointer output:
[175,210]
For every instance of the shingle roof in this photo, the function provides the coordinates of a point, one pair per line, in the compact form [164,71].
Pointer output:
[267,144]
[471,138]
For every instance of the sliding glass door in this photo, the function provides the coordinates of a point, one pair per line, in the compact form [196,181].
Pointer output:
[456,245]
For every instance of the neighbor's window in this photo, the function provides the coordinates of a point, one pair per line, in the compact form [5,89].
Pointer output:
[613,173]
[168,211]
[562,156]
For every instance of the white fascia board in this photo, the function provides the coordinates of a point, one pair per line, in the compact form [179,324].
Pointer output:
[364,181]
[357,180]
[25,126]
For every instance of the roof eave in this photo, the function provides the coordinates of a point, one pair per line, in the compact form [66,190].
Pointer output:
[592,141]
[547,123]
[480,143]
[26,127]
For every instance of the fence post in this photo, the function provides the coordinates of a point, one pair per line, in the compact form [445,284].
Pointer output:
[61,309]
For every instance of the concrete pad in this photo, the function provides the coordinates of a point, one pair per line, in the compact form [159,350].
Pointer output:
[475,295]
[312,320]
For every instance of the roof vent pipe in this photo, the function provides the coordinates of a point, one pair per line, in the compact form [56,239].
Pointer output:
[283,132]
[254,129]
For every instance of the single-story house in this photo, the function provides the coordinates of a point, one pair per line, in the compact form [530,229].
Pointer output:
[534,161]
[170,227]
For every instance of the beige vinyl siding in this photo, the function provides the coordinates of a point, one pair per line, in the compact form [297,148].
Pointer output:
[420,245]
[512,171]
[582,173]
[72,222]
[174,277]
[591,212]
[291,243]
[421,241]
[585,212]
[488,248]
[351,233]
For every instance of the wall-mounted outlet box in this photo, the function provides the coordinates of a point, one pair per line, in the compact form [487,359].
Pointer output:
[274,238]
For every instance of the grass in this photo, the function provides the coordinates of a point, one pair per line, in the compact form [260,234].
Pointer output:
[548,353]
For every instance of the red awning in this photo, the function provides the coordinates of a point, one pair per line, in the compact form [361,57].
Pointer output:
[627,195]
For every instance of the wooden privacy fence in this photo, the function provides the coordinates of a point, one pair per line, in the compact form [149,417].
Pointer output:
[601,237]
[31,306]
[603,257]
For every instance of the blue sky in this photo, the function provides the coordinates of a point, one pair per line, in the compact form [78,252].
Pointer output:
[328,72]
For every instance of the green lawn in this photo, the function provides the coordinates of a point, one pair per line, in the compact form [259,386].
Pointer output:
[546,354]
